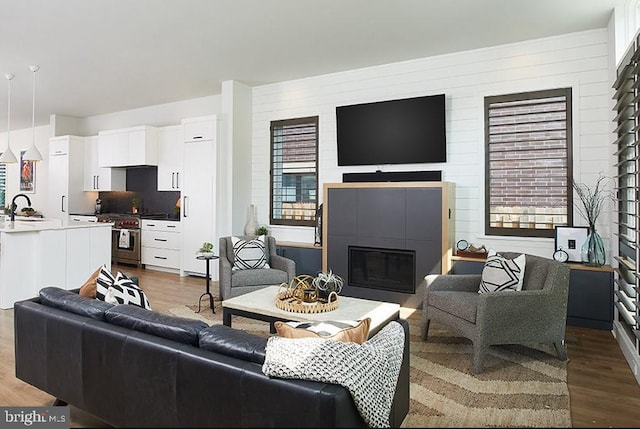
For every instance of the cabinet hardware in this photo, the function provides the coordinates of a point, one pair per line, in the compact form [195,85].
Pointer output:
[160,257]
[160,239]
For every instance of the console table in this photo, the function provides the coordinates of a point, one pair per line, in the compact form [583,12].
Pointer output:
[590,291]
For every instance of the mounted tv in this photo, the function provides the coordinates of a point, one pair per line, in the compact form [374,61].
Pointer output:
[404,131]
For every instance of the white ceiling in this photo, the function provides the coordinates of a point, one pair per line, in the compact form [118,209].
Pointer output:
[103,56]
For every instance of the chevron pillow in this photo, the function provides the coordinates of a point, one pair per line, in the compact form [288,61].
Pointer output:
[502,274]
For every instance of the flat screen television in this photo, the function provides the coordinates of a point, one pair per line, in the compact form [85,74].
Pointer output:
[404,131]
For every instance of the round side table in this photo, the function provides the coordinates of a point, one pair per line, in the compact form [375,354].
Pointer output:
[207,259]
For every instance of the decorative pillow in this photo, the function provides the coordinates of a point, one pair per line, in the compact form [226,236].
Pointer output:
[103,282]
[355,331]
[88,289]
[501,274]
[125,291]
[249,254]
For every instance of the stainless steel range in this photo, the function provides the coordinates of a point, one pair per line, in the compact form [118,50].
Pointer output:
[125,238]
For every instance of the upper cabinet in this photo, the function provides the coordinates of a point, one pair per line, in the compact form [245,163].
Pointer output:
[170,156]
[98,178]
[128,147]
[197,129]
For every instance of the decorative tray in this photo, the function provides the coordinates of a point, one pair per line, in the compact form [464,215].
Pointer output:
[291,297]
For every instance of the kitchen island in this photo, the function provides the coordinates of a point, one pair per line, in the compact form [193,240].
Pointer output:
[39,252]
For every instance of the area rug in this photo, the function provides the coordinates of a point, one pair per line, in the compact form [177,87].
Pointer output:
[520,386]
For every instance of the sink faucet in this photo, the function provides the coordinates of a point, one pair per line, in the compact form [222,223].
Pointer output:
[14,206]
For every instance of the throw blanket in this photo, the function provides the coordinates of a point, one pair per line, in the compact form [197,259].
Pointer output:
[369,370]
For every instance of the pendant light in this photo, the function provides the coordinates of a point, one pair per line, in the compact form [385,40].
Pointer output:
[33,154]
[7,156]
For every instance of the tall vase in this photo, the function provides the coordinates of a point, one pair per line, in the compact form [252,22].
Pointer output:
[252,221]
[592,251]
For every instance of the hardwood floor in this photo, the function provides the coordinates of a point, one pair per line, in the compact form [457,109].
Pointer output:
[603,390]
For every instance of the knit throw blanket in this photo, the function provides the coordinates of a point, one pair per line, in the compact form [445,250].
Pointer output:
[369,370]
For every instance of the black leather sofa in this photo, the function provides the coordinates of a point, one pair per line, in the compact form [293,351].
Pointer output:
[137,368]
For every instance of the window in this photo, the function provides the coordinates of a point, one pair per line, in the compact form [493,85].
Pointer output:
[294,171]
[528,163]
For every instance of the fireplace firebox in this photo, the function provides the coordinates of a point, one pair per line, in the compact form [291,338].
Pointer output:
[387,269]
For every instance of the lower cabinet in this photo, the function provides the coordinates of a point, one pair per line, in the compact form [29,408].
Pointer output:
[307,256]
[161,243]
[590,302]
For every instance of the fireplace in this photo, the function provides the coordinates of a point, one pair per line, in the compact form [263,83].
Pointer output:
[387,269]
[398,231]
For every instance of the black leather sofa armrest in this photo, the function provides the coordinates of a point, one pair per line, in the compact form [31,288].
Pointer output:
[233,342]
[67,300]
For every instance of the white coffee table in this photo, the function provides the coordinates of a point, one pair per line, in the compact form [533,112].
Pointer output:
[261,305]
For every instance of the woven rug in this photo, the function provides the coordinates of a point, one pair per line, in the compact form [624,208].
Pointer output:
[520,386]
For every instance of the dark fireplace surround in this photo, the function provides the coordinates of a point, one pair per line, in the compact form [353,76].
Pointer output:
[395,230]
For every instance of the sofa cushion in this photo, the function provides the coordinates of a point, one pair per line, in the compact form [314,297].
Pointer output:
[249,254]
[173,328]
[233,342]
[355,331]
[460,304]
[258,277]
[72,302]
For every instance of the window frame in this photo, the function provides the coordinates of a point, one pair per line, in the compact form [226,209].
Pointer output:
[314,120]
[529,95]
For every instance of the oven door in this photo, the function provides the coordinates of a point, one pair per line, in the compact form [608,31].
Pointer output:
[125,245]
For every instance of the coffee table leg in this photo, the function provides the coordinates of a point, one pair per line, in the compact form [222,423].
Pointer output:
[226,317]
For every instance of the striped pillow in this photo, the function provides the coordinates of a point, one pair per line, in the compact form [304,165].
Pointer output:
[501,274]
[125,291]
[249,254]
[103,282]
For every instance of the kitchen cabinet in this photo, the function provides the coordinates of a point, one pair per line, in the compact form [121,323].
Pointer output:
[66,178]
[98,178]
[198,193]
[170,156]
[161,243]
[83,218]
[128,147]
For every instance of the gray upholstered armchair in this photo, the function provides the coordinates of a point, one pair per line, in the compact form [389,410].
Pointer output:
[536,314]
[238,282]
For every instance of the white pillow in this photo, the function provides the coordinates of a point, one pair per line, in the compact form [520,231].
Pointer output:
[500,273]
[249,254]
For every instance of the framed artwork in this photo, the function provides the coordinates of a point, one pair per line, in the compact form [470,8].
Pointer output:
[570,239]
[27,175]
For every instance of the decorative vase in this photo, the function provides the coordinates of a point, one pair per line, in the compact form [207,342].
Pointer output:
[592,250]
[252,221]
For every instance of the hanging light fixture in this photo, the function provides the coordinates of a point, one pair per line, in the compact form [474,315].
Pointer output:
[33,154]
[7,156]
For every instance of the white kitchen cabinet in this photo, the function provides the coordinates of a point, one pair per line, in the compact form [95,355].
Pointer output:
[128,147]
[83,218]
[66,178]
[170,146]
[161,243]
[198,194]
[98,178]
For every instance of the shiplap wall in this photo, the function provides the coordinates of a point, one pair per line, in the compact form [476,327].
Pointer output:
[577,60]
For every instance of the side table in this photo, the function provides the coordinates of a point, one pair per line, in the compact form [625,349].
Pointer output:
[207,259]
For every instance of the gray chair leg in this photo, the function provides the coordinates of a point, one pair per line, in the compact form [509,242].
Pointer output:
[479,351]
[561,349]
[425,328]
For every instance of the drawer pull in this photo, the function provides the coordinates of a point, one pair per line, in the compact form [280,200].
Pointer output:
[160,239]
[160,257]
